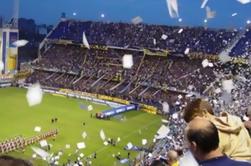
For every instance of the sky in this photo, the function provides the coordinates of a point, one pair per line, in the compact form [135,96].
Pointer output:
[151,11]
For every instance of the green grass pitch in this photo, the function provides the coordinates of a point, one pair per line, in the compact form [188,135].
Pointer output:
[17,118]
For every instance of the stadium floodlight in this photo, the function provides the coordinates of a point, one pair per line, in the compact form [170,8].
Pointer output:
[248,22]
[102,15]
[180,19]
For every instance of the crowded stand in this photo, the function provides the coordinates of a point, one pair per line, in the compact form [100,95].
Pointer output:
[199,39]
[153,79]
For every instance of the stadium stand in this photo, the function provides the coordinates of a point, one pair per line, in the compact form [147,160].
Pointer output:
[161,71]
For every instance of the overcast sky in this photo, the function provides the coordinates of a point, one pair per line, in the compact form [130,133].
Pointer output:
[152,11]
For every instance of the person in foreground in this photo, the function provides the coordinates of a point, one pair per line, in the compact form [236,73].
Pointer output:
[234,139]
[11,161]
[203,141]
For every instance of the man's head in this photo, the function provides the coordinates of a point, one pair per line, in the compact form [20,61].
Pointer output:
[172,156]
[197,107]
[11,161]
[202,137]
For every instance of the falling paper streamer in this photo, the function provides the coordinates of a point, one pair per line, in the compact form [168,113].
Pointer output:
[172,6]
[84,134]
[228,85]
[210,14]
[234,14]
[56,163]
[180,31]
[1,66]
[244,1]
[127,61]
[164,37]
[154,41]
[144,141]
[118,139]
[20,43]
[204,3]
[37,129]
[187,51]
[85,41]
[81,145]
[40,152]
[137,20]
[34,95]
[102,134]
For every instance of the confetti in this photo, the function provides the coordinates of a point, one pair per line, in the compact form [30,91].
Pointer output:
[37,129]
[144,141]
[164,37]
[84,134]
[187,51]
[205,63]
[180,31]
[137,20]
[234,14]
[90,108]
[127,61]
[20,43]
[43,143]
[67,146]
[209,13]
[81,145]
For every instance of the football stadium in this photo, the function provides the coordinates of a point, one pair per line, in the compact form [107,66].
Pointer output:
[104,92]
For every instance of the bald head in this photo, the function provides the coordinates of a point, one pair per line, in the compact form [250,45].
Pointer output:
[204,134]
[172,156]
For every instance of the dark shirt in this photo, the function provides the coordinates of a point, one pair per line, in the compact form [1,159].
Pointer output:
[223,161]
